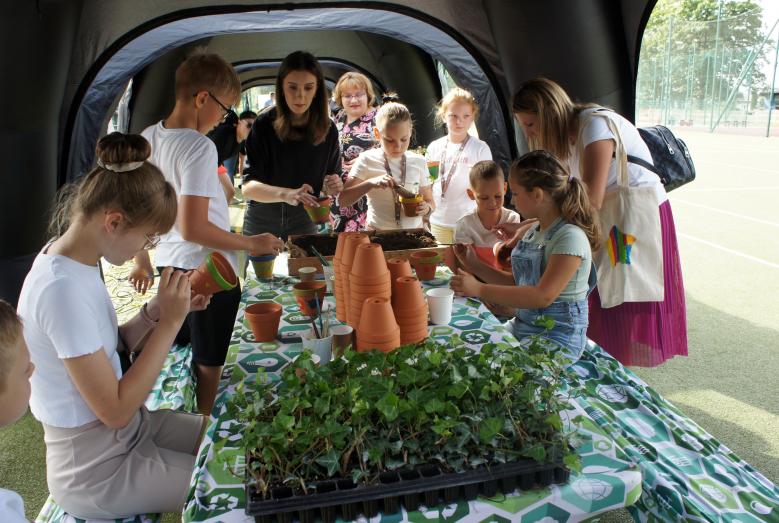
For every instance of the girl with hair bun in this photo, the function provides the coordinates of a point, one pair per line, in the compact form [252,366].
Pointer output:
[106,455]
[552,269]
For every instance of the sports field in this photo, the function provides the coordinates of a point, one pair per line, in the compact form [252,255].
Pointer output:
[728,227]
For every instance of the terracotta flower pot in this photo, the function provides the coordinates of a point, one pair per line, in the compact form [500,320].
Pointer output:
[388,344]
[432,168]
[425,257]
[407,337]
[502,254]
[215,274]
[263,265]
[352,240]
[377,322]
[369,262]
[320,214]
[398,267]
[360,288]
[407,295]
[263,319]
[310,296]
[410,205]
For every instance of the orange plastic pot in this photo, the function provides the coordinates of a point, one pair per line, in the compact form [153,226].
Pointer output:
[215,274]
[263,319]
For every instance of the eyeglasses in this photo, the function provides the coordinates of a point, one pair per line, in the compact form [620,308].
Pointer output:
[226,109]
[355,95]
[151,241]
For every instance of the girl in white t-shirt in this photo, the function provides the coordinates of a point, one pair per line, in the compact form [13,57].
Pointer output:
[635,333]
[455,154]
[379,173]
[106,455]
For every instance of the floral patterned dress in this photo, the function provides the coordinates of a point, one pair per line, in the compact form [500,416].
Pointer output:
[355,137]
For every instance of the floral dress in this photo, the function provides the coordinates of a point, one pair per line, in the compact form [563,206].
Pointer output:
[355,137]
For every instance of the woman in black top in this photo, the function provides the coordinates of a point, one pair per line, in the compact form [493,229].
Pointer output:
[292,152]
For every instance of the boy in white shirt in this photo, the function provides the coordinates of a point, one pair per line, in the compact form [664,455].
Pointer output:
[15,372]
[487,189]
[206,87]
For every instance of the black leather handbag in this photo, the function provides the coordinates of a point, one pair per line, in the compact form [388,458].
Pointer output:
[672,160]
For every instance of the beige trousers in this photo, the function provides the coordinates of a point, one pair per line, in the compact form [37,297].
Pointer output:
[94,471]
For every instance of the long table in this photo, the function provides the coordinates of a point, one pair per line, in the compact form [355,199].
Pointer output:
[610,479]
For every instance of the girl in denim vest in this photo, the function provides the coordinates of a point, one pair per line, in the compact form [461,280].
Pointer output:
[552,270]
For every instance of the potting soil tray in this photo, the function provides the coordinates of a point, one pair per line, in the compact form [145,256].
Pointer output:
[396,244]
[412,487]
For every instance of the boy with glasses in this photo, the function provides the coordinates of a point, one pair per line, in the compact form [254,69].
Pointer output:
[206,86]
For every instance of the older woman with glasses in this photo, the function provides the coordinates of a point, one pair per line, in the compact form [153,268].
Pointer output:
[353,94]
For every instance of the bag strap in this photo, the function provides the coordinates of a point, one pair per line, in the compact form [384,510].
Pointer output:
[619,151]
[643,163]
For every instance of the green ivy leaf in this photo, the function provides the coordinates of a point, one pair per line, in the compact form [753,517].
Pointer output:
[435,358]
[283,422]
[329,461]
[388,406]
[434,405]
[490,428]
[545,322]
[555,421]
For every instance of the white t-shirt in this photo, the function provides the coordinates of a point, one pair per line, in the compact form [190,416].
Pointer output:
[597,129]
[450,209]
[67,313]
[188,160]
[469,228]
[381,202]
[12,507]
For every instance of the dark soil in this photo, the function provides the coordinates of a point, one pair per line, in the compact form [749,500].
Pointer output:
[389,241]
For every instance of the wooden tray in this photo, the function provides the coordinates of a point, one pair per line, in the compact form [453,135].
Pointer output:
[299,258]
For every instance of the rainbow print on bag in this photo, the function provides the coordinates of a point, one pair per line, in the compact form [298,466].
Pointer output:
[619,246]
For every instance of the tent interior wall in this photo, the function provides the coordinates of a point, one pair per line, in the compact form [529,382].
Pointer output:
[59,56]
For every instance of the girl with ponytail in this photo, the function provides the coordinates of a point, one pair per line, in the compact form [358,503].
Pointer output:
[552,271]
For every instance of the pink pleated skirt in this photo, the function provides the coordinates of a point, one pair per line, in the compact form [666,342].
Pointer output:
[646,334]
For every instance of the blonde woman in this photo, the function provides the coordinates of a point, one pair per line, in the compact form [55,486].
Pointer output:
[353,94]
[645,333]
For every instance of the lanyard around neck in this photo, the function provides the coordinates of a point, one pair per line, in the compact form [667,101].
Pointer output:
[402,182]
[445,180]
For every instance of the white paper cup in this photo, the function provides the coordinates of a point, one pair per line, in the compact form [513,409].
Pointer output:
[322,347]
[439,302]
[307,273]
[329,272]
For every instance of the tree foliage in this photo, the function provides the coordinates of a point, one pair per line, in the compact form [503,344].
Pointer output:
[681,42]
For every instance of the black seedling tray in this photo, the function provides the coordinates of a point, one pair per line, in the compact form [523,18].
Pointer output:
[412,487]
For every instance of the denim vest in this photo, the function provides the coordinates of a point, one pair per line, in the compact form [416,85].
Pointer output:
[571,317]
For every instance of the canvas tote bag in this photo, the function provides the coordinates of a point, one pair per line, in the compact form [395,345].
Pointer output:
[630,261]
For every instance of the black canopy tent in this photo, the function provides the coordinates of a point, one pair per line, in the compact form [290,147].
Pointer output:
[66,63]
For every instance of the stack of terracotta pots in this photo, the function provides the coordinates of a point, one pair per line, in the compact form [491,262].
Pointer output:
[410,307]
[398,267]
[340,310]
[369,278]
[425,263]
[377,329]
[347,242]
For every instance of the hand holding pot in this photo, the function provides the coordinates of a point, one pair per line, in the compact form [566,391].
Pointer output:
[333,185]
[302,195]
[173,296]
[513,231]
[423,208]
[264,243]
[464,284]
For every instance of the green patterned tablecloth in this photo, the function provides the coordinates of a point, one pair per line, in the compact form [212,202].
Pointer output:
[609,480]
[688,475]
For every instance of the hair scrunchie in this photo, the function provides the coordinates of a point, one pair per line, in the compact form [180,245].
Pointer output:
[119,167]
